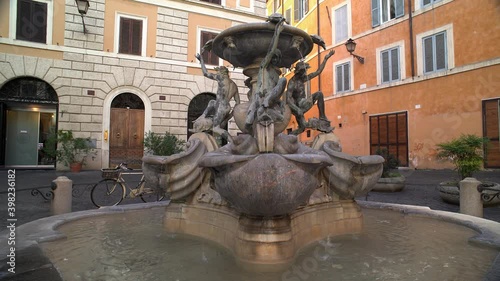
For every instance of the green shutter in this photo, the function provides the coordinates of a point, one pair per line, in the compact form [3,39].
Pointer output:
[375,13]
[296,10]
[400,8]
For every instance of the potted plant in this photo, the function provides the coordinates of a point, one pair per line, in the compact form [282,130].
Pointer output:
[391,180]
[68,150]
[162,145]
[466,153]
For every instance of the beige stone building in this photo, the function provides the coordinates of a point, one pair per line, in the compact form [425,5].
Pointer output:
[125,68]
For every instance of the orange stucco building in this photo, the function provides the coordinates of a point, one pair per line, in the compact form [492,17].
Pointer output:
[430,73]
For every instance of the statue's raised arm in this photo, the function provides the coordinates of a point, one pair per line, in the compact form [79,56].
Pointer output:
[321,66]
[204,68]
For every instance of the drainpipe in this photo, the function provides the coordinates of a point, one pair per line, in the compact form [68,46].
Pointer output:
[410,22]
[319,50]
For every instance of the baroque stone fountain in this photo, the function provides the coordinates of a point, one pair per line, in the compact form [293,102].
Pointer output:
[264,195]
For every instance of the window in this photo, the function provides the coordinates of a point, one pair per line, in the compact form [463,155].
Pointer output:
[434,52]
[428,2]
[212,1]
[300,9]
[31,21]
[386,10]
[277,4]
[208,57]
[343,77]
[390,65]
[288,15]
[341,24]
[130,36]
[390,62]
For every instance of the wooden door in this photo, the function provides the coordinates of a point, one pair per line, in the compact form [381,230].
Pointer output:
[126,137]
[390,131]
[491,130]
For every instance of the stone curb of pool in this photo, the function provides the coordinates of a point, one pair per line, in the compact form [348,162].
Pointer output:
[44,230]
[488,231]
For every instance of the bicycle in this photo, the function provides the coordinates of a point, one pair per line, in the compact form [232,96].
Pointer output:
[112,189]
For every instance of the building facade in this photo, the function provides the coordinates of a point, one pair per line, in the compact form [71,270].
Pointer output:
[428,71]
[125,68]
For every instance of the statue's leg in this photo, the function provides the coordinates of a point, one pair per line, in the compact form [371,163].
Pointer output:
[318,97]
[223,133]
[301,122]
[274,96]
[222,112]
[251,113]
[210,109]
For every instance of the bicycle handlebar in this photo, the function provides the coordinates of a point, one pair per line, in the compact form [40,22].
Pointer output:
[123,166]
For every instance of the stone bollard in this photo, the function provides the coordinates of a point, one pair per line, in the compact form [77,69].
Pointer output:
[470,198]
[62,199]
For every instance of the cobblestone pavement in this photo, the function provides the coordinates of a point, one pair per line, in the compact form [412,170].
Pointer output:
[420,190]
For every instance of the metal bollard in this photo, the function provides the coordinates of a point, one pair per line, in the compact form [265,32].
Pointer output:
[62,200]
[470,198]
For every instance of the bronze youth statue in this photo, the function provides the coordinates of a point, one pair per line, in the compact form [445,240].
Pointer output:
[218,110]
[266,105]
[300,103]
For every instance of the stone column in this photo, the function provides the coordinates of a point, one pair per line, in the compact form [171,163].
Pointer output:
[470,198]
[62,199]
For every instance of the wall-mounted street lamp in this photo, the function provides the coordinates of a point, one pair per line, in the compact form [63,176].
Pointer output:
[350,45]
[83,7]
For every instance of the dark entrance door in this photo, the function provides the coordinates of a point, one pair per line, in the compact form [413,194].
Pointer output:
[491,130]
[390,131]
[126,131]
[28,118]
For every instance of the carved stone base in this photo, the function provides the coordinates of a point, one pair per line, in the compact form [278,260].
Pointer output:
[264,244]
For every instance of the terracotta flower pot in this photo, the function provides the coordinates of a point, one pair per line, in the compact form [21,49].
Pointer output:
[75,167]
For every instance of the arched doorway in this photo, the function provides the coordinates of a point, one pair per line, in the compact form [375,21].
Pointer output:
[28,117]
[126,130]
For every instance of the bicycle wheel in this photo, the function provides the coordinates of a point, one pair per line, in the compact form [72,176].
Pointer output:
[151,195]
[107,192]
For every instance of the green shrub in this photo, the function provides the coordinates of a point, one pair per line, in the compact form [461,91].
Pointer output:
[391,162]
[67,149]
[163,145]
[465,152]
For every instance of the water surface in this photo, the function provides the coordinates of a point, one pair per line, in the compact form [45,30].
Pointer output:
[133,246]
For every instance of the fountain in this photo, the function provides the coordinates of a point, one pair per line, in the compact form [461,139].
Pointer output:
[272,203]
[264,195]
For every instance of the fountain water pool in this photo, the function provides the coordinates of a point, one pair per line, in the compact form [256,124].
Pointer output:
[392,246]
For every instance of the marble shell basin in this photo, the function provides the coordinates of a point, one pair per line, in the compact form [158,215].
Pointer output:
[243,44]
[265,185]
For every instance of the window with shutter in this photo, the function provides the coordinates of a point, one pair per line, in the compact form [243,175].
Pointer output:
[212,1]
[343,77]
[31,21]
[341,25]
[208,57]
[386,10]
[130,38]
[435,52]
[428,2]
[300,9]
[390,65]
[288,15]
[277,4]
